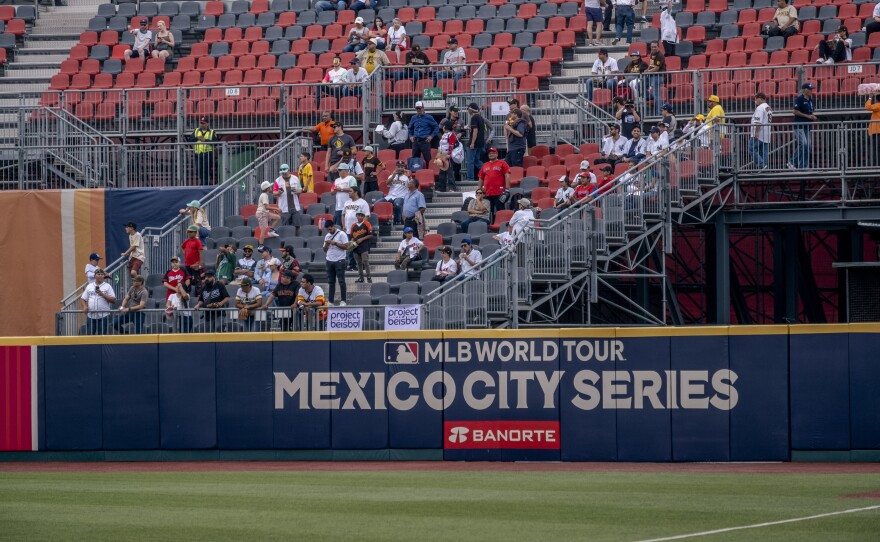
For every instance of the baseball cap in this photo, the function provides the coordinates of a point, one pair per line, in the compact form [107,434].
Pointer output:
[267,249]
[355,61]
[407,230]
[195,204]
[204,120]
[193,228]
[603,51]
[451,41]
[525,202]
[138,278]
[359,20]
[368,148]
[419,104]
[209,272]
[666,107]
[700,117]
[95,256]
[714,98]
[285,168]
[585,164]
[401,163]
[467,240]
[265,184]
[492,149]
[416,47]
[144,21]
[808,86]
[131,225]
[360,213]
[248,247]
[374,41]
[329,223]
[474,106]
[564,179]
[655,130]
[511,100]
[174,259]
[246,281]
[636,53]
[343,166]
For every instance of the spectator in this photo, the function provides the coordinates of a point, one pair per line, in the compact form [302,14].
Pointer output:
[192,252]
[266,211]
[838,48]
[306,175]
[477,128]
[357,37]
[804,118]
[667,118]
[634,151]
[246,264]
[562,199]
[478,210]
[446,268]
[135,253]
[605,179]
[469,259]
[664,131]
[607,16]
[873,24]
[362,236]
[655,67]
[514,130]
[408,251]
[163,45]
[414,207]
[199,218]
[372,57]
[398,189]
[335,246]
[214,298]
[715,116]
[494,180]
[174,304]
[92,266]
[225,264]
[506,239]
[204,151]
[584,172]
[459,129]
[357,76]
[286,190]
[397,134]
[263,271]
[453,59]
[247,300]
[396,39]
[655,145]
[143,37]
[96,302]
[334,80]
[633,69]
[339,143]
[283,295]
[668,30]
[585,190]
[449,145]
[341,189]
[324,130]
[418,60]
[759,142]
[355,169]
[603,71]
[379,32]
[422,129]
[326,5]
[593,13]
[523,218]
[355,205]
[625,17]
[358,5]
[873,105]
[531,127]
[176,280]
[696,125]
[785,21]
[133,304]
[371,166]
[310,297]
[613,147]
[289,263]
[274,274]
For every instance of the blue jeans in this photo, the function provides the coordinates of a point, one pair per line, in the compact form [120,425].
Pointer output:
[758,151]
[131,316]
[625,16]
[801,157]
[204,233]
[473,163]
[97,326]
[408,73]
[467,223]
[325,5]
[354,47]
[337,219]
[654,83]
[515,157]
[356,91]
[445,74]
[398,210]
[610,84]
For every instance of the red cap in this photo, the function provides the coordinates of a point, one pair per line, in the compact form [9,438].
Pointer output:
[204,120]
[493,149]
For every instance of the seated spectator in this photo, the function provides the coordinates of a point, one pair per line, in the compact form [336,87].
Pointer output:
[655,145]
[564,193]
[418,60]
[247,300]
[356,76]
[478,210]
[326,5]
[506,239]
[362,237]
[453,63]
[358,5]
[309,299]
[446,268]
[371,57]
[523,218]
[397,134]
[283,295]
[584,172]
[605,179]
[262,272]
[396,39]
[634,151]
[398,189]
[357,37]
[379,32]
[785,21]
[585,190]
[133,304]
[163,46]
[246,264]
[837,48]
[175,310]
[334,82]
[604,72]
[143,38]
[636,67]
[873,24]
[612,147]
[214,298]
[469,259]
[176,280]
[408,251]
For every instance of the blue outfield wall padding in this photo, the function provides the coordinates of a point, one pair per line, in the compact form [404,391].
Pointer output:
[41,397]
[73,397]
[130,382]
[759,421]
[589,426]
[187,396]
[296,423]
[864,398]
[645,434]
[415,424]
[819,381]
[359,423]
[701,423]
[244,395]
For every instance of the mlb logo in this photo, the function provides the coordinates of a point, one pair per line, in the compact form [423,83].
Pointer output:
[401,353]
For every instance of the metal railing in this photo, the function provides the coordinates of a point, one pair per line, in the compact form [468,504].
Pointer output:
[399,87]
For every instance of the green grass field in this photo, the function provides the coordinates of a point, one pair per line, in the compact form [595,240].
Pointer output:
[438,505]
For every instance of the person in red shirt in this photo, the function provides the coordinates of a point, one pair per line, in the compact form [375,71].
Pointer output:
[494,179]
[585,191]
[192,250]
[175,280]
[605,179]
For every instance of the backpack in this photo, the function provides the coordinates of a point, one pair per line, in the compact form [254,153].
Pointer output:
[513,203]
[415,163]
[466,204]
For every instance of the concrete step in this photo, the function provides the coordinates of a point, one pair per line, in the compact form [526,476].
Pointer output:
[21,72]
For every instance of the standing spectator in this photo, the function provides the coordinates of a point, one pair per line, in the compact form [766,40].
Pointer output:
[506,239]
[355,169]
[459,129]
[562,199]
[446,268]
[785,21]
[93,265]
[494,180]
[213,297]
[448,145]
[289,263]
[469,259]
[414,206]
[356,77]
[225,264]
[355,205]
[362,236]
[324,130]
[192,252]
[515,131]
[759,143]
[636,67]
[531,127]
[593,13]
[334,80]
[668,31]
[96,302]
[603,70]
[246,264]
[379,32]
[613,147]
[478,210]
[625,17]
[284,295]
[176,281]
[262,274]
[608,15]
[408,251]
[339,143]
[135,253]
[454,61]
[133,304]
[655,67]
[873,24]
[667,118]
[342,188]
[174,304]
[204,151]
[143,38]
[372,57]
[477,128]
[396,39]
[310,297]
[838,48]
[199,218]
[398,188]
[418,60]
[247,300]
[335,246]
[286,190]
[266,211]
[714,119]
[634,151]
[164,43]
[804,118]
[872,105]
[306,174]
[397,134]
[357,37]
[371,166]
[422,130]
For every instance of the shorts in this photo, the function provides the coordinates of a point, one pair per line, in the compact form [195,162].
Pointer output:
[594,15]
[135,53]
[135,265]
[263,220]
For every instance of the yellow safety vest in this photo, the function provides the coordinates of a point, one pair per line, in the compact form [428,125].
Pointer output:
[201,148]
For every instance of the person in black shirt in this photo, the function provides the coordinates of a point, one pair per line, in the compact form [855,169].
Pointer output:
[371,165]
[477,135]
[362,236]
[214,298]
[284,295]
[417,59]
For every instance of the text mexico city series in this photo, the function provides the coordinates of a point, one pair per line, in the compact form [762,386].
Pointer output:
[506,374]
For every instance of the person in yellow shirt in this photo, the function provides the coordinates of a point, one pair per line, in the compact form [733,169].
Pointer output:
[715,117]
[873,105]
[372,57]
[305,173]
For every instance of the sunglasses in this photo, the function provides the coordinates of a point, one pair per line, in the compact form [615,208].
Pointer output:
[483,193]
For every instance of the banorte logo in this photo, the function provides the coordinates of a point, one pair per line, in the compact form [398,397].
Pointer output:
[500,434]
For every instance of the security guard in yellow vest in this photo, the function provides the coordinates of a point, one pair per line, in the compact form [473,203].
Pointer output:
[204,151]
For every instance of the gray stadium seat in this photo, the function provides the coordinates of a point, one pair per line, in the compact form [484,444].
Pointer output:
[514,25]
[309,231]
[320,46]
[807,13]
[361,299]
[148,9]
[293,33]
[428,287]
[126,10]
[97,24]
[426,275]
[410,299]
[683,49]
[548,10]
[279,6]
[118,24]
[378,289]
[388,299]
[413,28]
[739,5]
[239,6]
[233,221]
[193,9]
[273,33]
[728,32]
[445,13]
[706,19]
[266,20]
[286,60]
[477,228]
[387,15]
[315,242]
[506,11]
[300,6]
[495,26]
[523,39]
[460,216]
[182,23]
[534,54]
[206,22]
[113,66]
[227,20]
[684,20]
[326,17]
[107,10]
[422,40]
[650,35]
[830,26]
[774,43]
[466,13]
[281,48]
[408,288]
[169,9]
[221,48]
[368,14]
[395,278]
[295,242]
[487,12]
[99,52]
[447,230]
[246,20]
[568,10]
[240,232]
[537,24]
[728,17]
[482,41]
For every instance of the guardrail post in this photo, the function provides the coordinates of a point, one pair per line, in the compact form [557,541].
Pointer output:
[594,255]
[800,77]
[698,91]
[224,162]
[122,167]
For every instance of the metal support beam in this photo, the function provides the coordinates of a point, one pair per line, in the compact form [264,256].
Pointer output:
[791,241]
[827,215]
[721,257]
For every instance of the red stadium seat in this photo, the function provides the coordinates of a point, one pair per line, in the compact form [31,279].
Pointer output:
[286,18]
[501,216]
[214,8]
[385,211]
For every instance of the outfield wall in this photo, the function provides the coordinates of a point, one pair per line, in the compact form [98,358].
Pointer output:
[648,394]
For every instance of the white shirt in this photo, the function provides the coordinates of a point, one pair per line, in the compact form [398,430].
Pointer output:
[334,253]
[398,187]
[668,30]
[602,68]
[342,197]
[262,202]
[98,306]
[579,176]
[521,219]
[90,272]
[450,267]
[506,241]
[142,39]
[397,36]
[281,186]
[337,75]
[174,302]
[135,240]
[762,117]
[592,4]
[352,208]
[653,147]
[396,133]
[467,269]
[609,146]
[563,194]
[358,76]
[317,292]
[410,248]
[640,146]
[454,57]
[248,298]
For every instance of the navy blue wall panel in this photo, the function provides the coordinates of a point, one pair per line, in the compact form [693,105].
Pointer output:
[245,399]
[418,426]
[130,381]
[307,427]
[187,396]
[864,378]
[819,381]
[759,422]
[589,432]
[73,397]
[701,433]
[646,434]
[459,411]
[358,425]
[41,396]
